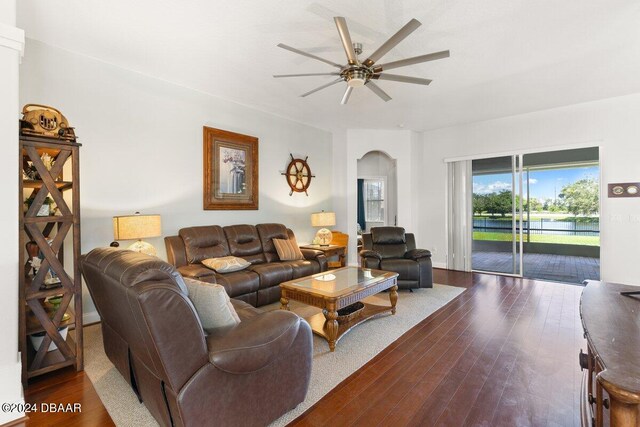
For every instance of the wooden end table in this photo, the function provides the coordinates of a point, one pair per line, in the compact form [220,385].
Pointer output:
[329,251]
[337,289]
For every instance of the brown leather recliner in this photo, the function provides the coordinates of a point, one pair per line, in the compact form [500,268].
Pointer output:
[246,375]
[391,249]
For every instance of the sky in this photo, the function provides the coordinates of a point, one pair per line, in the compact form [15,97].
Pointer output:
[543,184]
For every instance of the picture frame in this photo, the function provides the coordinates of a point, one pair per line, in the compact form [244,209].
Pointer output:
[230,173]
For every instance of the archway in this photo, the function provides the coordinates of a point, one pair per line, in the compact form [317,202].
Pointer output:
[377,191]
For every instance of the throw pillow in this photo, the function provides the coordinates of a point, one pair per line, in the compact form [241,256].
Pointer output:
[288,249]
[212,304]
[226,264]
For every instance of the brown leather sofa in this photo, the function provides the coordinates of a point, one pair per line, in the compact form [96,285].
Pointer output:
[259,283]
[246,375]
[391,249]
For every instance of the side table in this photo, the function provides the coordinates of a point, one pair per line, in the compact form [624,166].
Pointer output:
[330,250]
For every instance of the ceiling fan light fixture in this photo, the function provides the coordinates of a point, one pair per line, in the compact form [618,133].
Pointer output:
[356,78]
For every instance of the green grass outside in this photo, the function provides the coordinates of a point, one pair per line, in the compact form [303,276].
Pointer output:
[538,217]
[540,238]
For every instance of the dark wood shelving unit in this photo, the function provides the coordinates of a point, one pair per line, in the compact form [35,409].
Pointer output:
[49,233]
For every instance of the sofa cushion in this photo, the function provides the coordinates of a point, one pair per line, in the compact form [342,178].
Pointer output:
[244,242]
[204,242]
[226,264]
[212,304]
[303,268]
[197,271]
[288,249]
[267,233]
[272,274]
[239,282]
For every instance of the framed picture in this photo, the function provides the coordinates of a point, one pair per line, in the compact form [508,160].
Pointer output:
[230,170]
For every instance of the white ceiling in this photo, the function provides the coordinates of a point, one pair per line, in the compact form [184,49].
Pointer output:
[507,56]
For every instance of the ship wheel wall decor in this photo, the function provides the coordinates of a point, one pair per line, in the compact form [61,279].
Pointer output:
[298,175]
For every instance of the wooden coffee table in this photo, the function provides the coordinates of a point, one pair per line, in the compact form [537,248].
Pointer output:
[337,289]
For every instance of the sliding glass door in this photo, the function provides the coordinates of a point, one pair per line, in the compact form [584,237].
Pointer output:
[497,215]
[536,215]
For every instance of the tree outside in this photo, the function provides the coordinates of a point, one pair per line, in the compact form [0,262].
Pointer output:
[581,197]
[576,202]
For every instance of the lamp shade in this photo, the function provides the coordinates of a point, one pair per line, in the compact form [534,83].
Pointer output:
[323,219]
[130,227]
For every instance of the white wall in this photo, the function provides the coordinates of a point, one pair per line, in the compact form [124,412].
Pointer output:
[11,44]
[398,145]
[142,148]
[340,187]
[376,164]
[611,124]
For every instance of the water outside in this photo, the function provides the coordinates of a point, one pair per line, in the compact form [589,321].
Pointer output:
[560,209]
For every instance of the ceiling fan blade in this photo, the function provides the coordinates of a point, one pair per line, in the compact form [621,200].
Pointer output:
[402,79]
[395,39]
[341,23]
[305,75]
[321,87]
[376,89]
[309,55]
[411,61]
[347,94]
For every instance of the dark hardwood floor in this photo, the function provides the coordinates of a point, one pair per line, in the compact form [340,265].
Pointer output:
[66,387]
[504,353]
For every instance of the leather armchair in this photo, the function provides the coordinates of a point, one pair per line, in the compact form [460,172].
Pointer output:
[391,249]
[246,375]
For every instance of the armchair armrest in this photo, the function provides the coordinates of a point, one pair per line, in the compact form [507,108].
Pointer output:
[254,343]
[368,253]
[195,271]
[416,254]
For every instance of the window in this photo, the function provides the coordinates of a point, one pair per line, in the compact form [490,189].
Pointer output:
[374,202]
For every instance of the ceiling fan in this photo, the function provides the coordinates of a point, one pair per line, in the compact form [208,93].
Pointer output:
[362,73]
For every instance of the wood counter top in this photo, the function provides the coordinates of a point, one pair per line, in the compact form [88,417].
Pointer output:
[612,328]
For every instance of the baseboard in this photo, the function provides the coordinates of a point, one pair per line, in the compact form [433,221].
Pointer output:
[90,317]
[442,265]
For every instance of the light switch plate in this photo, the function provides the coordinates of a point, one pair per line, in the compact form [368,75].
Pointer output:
[624,189]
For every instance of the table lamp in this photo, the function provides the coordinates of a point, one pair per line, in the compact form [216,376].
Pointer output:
[138,227]
[323,219]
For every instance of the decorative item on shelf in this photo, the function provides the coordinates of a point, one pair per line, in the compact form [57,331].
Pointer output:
[55,302]
[48,207]
[298,175]
[41,120]
[51,279]
[137,227]
[38,337]
[323,219]
[33,263]
[230,170]
[29,170]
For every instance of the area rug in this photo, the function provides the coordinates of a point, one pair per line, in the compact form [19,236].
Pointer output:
[353,350]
